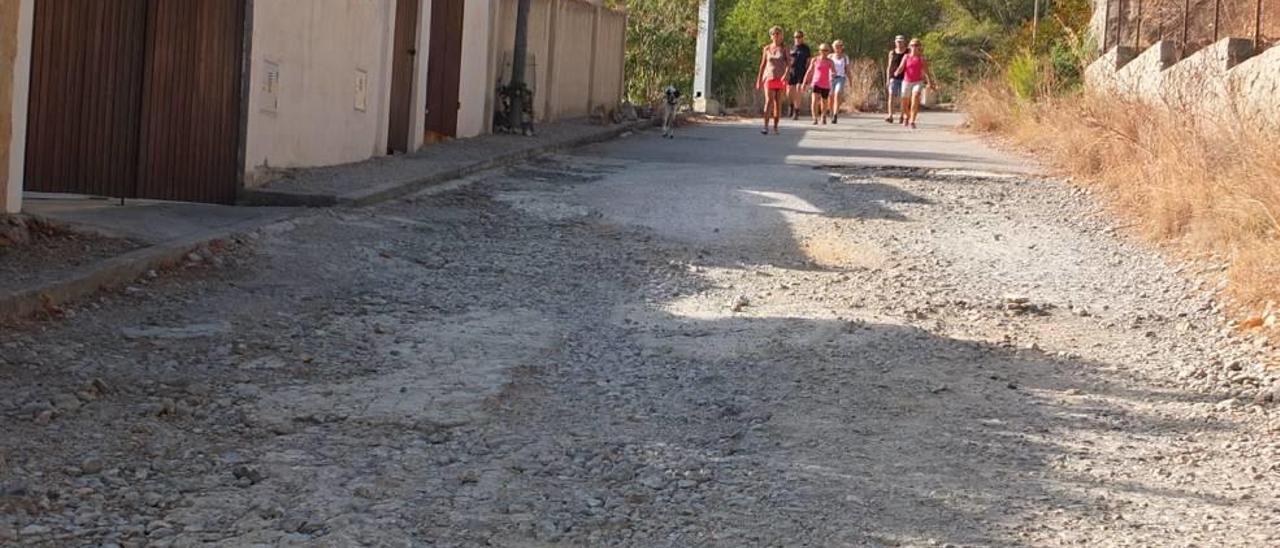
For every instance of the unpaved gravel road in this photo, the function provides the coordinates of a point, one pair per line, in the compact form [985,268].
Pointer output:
[657,343]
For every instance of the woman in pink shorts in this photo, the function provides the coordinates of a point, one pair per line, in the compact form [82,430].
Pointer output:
[818,78]
[775,64]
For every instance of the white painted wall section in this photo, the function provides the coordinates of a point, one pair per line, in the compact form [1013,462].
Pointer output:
[311,113]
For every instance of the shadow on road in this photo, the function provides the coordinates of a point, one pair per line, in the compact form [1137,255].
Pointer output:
[869,434]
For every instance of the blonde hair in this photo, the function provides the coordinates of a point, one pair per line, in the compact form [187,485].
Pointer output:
[837,43]
[775,30]
[824,46]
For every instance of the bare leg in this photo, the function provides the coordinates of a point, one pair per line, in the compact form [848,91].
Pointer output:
[906,108]
[768,108]
[889,103]
[777,113]
[777,107]
[915,106]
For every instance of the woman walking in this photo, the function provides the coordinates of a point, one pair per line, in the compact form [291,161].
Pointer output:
[775,62]
[915,78]
[800,59]
[840,75]
[818,79]
[894,81]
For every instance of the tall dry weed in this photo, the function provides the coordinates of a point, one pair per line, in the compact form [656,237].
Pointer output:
[1208,181]
[747,99]
[864,89]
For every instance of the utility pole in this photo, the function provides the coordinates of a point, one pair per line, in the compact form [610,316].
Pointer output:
[1035,22]
[517,86]
[702,101]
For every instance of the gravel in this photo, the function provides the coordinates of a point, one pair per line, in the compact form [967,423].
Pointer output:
[924,358]
[32,250]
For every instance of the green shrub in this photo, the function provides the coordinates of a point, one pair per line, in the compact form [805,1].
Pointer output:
[1023,75]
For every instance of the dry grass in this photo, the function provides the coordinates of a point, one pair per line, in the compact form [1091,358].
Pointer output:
[1210,185]
[865,89]
[746,98]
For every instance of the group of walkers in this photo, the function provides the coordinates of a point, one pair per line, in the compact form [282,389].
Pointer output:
[787,73]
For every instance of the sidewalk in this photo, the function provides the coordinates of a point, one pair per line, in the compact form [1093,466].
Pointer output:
[391,176]
[118,244]
[123,242]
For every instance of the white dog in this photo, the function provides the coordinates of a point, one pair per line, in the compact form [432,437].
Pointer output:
[672,104]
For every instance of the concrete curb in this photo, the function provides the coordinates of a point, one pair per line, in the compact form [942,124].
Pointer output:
[395,189]
[116,271]
[123,269]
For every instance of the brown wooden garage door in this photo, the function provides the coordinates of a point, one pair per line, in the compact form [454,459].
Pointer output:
[444,67]
[136,98]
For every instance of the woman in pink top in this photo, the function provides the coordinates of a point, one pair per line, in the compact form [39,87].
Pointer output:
[818,78]
[914,71]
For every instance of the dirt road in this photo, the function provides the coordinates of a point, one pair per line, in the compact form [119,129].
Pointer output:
[818,339]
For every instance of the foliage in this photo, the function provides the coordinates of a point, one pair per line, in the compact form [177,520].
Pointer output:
[1005,13]
[964,39]
[975,37]
[661,40]
[960,44]
[866,26]
[1024,75]
[1052,60]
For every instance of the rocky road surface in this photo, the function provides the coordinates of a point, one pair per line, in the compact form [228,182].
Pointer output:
[701,342]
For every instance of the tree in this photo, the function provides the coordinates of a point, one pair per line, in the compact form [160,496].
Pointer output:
[866,26]
[661,42]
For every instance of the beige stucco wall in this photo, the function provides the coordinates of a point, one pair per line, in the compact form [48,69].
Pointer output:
[606,84]
[15,71]
[319,45]
[572,61]
[577,50]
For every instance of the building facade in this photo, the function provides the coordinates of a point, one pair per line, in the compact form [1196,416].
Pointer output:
[195,100]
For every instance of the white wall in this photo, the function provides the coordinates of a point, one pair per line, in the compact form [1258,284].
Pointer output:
[474,87]
[15,75]
[318,46]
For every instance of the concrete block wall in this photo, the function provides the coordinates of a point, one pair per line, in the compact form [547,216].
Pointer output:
[1203,77]
[1144,75]
[1103,73]
[1222,79]
[1257,79]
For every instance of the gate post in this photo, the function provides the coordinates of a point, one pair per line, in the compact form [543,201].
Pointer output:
[15,49]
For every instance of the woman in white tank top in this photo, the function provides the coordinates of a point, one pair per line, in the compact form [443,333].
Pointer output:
[839,76]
